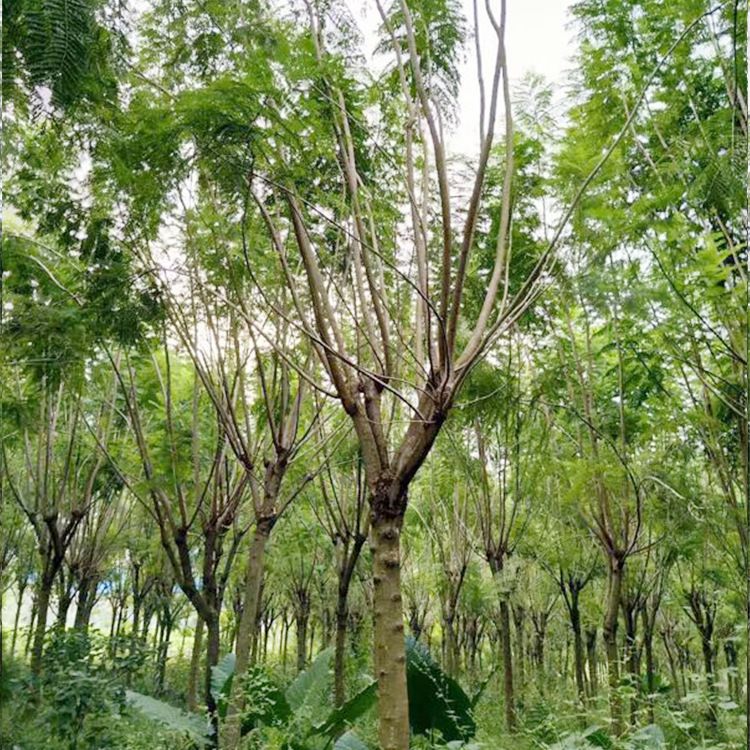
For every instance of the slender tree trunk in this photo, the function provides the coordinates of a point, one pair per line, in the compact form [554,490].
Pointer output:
[730,652]
[32,620]
[389,646]
[285,645]
[505,645]
[631,652]
[195,665]
[519,619]
[592,662]
[578,655]
[648,647]
[19,604]
[672,666]
[610,642]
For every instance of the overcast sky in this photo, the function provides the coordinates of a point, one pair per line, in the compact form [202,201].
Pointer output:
[537,41]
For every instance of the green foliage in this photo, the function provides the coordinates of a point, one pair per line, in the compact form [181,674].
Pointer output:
[436,702]
[180,722]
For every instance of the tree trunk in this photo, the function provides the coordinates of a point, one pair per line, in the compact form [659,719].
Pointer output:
[592,662]
[631,653]
[251,599]
[285,644]
[43,599]
[519,620]
[575,621]
[63,605]
[32,620]
[213,647]
[389,646]
[19,604]
[505,645]
[302,618]
[195,665]
[648,647]
[84,604]
[339,662]
[610,642]
[730,652]
[247,623]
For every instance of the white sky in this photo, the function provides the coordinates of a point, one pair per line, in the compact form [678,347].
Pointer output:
[536,40]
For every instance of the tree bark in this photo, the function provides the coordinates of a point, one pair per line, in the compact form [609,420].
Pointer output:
[592,662]
[302,618]
[43,599]
[213,646]
[578,655]
[610,641]
[508,692]
[389,647]
[251,599]
[195,665]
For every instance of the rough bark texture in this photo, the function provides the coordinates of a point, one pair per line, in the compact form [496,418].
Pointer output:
[390,653]
[42,609]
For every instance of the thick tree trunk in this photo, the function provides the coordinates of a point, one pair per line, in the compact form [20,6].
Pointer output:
[195,665]
[302,618]
[213,647]
[43,599]
[251,598]
[247,623]
[389,646]
[84,604]
[610,641]
[63,605]
[342,616]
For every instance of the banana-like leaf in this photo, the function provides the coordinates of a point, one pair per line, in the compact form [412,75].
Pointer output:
[436,701]
[346,714]
[310,683]
[221,681]
[191,725]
